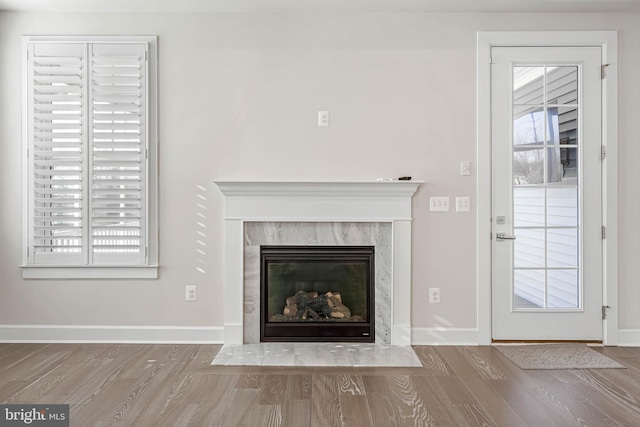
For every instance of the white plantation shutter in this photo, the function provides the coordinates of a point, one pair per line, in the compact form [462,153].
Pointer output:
[118,153]
[87,144]
[57,74]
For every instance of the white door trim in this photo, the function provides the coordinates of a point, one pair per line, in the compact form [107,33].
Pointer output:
[608,41]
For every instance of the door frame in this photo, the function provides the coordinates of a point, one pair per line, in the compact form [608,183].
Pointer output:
[608,42]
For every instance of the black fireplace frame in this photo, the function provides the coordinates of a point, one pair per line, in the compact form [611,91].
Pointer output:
[317,331]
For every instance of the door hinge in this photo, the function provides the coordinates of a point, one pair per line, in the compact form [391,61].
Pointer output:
[603,152]
[604,232]
[604,311]
[491,60]
[603,73]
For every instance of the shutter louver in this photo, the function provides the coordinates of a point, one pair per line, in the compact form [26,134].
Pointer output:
[118,141]
[57,120]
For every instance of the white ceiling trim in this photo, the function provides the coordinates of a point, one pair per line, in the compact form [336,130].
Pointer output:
[237,6]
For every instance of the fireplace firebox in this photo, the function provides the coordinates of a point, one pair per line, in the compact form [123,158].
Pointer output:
[317,293]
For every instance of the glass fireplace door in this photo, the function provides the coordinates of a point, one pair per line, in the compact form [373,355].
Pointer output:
[317,293]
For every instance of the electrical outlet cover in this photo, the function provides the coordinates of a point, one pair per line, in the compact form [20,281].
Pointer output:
[434,295]
[463,204]
[191,293]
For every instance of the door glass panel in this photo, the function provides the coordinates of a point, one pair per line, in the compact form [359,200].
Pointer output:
[564,126]
[527,85]
[528,166]
[528,206]
[529,248]
[562,247]
[562,206]
[529,289]
[569,160]
[562,288]
[561,85]
[545,187]
[528,125]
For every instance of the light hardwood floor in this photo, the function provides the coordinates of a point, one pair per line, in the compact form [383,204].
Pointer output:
[174,385]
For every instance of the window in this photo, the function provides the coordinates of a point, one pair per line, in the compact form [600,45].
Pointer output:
[90,147]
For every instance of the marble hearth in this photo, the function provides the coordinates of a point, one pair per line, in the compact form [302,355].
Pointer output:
[318,213]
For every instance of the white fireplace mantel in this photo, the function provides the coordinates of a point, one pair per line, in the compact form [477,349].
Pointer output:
[316,201]
[319,188]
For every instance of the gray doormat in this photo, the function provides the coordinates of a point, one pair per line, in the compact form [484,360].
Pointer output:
[557,356]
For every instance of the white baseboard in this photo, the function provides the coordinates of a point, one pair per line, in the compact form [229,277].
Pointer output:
[215,335]
[629,337]
[111,334]
[185,334]
[444,336]
[463,336]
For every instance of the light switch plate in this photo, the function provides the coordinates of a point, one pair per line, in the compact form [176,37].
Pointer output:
[465,168]
[439,204]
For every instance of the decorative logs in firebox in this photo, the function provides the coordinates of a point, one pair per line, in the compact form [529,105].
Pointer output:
[309,306]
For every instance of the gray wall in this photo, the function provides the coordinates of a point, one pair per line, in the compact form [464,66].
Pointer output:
[239,94]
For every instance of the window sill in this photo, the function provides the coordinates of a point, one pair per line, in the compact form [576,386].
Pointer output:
[92,272]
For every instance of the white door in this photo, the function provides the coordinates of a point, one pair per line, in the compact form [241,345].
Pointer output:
[546,193]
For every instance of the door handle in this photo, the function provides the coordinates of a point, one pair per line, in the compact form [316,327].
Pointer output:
[502,236]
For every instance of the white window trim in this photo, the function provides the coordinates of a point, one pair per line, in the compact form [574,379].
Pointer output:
[608,41]
[148,271]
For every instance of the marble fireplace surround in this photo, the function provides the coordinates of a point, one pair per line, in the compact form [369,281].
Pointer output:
[374,213]
[377,234]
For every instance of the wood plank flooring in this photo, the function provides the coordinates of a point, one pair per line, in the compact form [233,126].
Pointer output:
[174,385]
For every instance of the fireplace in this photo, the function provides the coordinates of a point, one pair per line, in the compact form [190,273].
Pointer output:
[317,293]
[317,213]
